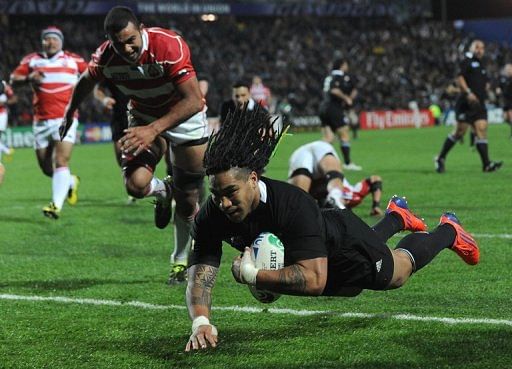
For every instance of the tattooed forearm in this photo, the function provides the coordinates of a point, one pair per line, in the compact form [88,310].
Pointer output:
[292,280]
[205,276]
[201,281]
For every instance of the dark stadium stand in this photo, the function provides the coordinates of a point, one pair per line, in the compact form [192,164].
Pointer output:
[395,61]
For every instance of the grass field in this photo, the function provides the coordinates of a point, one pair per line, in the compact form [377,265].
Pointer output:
[88,290]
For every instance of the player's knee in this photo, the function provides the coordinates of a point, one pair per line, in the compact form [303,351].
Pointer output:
[137,185]
[375,183]
[135,191]
[403,268]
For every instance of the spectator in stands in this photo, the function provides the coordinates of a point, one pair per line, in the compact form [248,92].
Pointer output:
[395,62]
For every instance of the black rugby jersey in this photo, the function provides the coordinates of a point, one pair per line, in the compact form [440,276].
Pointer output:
[473,71]
[338,79]
[506,89]
[285,210]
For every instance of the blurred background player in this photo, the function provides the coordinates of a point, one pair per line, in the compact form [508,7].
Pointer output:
[339,94]
[240,96]
[52,74]
[7,98]
[261,93]
[117,104]
[505,91]
[152,66]
[316,168]
[470,108]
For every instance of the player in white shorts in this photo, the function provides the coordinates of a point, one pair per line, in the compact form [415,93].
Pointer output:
[316,168]
[53,73]
[7,97]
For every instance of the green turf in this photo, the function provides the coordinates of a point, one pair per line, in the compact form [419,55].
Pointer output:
[106,250]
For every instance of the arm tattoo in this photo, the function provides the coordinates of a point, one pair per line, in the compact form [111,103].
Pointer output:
[292,280]
[200,287]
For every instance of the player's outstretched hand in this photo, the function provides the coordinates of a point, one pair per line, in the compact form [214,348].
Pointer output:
[203,336]
[137,139]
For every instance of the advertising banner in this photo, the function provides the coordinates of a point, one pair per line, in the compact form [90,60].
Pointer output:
[396,119]
[87,133]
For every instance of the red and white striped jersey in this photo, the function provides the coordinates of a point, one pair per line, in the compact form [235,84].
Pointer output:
[8,93]
[61,73]
[151,82]
[261,94]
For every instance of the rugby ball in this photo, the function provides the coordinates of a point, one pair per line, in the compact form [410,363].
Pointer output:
[267,251]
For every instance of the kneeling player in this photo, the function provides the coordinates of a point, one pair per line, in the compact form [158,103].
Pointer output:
[316,168]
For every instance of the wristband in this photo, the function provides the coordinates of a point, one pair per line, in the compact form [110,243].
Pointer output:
[105,101]
[248,272]
[198,321]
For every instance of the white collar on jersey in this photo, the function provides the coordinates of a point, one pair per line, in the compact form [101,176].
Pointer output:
[250,104]
[263,191]
[145,41]
[337,72]
[54,56]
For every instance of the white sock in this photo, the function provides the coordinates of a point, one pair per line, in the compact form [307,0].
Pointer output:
[157,188]
[182,240]
[60,185]
[336,195]
[3,148]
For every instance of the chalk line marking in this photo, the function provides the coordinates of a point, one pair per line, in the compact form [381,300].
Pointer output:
[256,310]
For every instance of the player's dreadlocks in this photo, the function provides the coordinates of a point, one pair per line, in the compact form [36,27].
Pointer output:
[246,139]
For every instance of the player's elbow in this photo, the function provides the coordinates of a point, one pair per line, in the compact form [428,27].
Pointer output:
[316,284]
[315,275]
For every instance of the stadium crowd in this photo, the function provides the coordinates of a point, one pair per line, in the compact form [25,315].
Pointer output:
[394,63]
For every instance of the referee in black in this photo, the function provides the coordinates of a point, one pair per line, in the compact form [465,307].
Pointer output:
[470,108]
[339,94]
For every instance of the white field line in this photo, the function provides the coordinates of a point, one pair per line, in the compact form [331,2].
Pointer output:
[490,235]
[505,236]
[255,310]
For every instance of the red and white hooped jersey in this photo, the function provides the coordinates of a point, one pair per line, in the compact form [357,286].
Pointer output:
[261,94]
[8,93]
[61,73]
[151,82]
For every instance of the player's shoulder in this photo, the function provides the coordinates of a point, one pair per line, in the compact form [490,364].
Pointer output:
[32,56]
[166,45]
[281,189]
[103,54]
